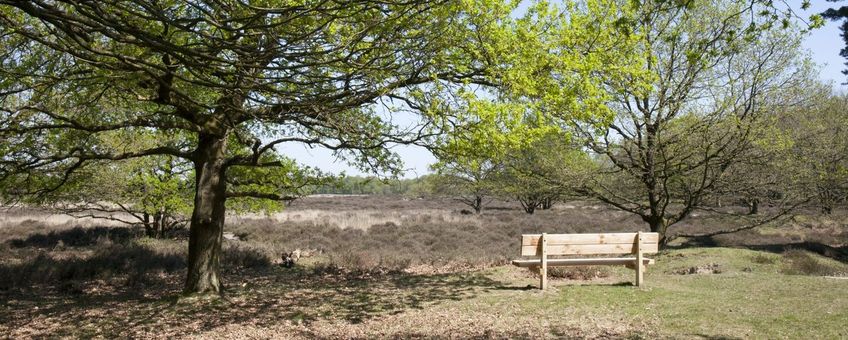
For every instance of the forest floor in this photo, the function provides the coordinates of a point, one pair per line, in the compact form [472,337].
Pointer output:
[377,267]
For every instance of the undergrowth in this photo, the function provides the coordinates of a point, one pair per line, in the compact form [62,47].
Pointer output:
[799,262]
[420,236]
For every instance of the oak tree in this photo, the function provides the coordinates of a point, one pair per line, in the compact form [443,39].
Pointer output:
[718,69]
[221,84]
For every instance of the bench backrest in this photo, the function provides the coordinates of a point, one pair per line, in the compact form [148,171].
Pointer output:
[588,244]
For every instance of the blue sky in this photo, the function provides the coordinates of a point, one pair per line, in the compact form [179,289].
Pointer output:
[823,45]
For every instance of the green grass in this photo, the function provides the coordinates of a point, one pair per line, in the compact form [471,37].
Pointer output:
[747,300]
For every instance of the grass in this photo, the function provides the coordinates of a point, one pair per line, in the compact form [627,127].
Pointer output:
[429,272]
[749,299]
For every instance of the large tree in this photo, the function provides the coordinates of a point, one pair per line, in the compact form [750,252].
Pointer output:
[691,82]
[718,70]
[221,84]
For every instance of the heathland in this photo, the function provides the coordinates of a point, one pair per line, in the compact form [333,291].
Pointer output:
[393,267]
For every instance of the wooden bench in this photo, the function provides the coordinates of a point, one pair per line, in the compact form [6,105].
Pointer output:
[543,245]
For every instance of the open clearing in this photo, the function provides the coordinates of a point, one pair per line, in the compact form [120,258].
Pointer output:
[57,280]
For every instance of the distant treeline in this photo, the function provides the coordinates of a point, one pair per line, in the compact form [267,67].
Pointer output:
[358,185]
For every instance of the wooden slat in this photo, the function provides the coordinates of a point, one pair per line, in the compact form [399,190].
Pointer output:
[605,238]
[588,249]
[582,262]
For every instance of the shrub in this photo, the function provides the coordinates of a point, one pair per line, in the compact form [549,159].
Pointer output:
[107,261]
[579,272]
[244,256]
[74,237]
[800,262]
[763,259]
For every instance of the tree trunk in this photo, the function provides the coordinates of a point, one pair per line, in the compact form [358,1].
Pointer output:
[207,219]
[547,203]
[157,225]
[658,225]
[529,204]
[148,227]
[478,204]
[754,205]
[827,200]
[163,222]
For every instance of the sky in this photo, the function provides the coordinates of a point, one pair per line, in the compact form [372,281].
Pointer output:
[822,44]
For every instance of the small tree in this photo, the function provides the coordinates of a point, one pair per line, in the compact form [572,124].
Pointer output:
[546,170]
[820,148]
[470,180]
[155,193]
[557,63]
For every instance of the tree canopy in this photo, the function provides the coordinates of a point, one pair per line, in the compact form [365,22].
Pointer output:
[221,84]
[672,95]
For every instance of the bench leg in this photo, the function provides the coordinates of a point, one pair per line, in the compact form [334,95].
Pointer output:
[543,276]
[543,269]
[640,266]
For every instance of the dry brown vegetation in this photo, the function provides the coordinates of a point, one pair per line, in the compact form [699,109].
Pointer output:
[371,267]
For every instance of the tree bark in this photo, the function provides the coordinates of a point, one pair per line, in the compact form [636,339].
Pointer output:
[826,199]
[529,204]
[148,227]
[547,203]
[157,225]
[754,206]
[207,219]
[658,225]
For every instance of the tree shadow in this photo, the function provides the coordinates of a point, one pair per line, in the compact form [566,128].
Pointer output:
[839,253]
[75,237]
[354,298]
[263,297]
[602,284]
[107,261]
[716,337]
[518,288]
[694,242]
[564,285]
[836,253]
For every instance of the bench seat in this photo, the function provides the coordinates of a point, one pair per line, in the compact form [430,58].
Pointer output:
[582,262]
[536,250]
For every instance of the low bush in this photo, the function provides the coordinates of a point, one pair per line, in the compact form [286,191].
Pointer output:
[131,262]
[244,256]
[74,237]
[426,237]
[105,261]
[799,262]
[763,259]
[579,272]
